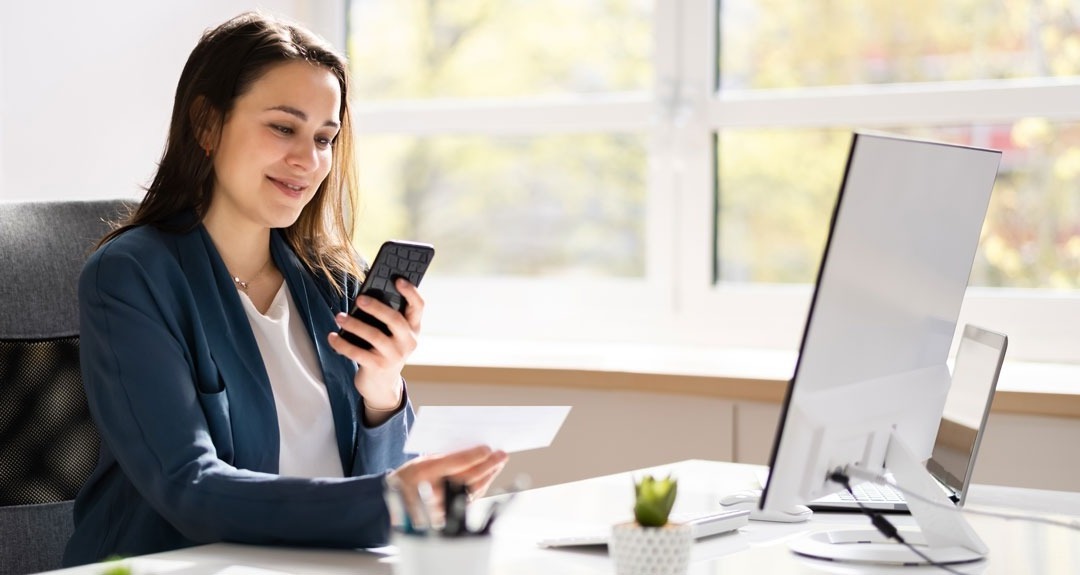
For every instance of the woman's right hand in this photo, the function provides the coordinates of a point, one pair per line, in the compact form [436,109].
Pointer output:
[475,468]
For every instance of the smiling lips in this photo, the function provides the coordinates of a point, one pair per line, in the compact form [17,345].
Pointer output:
[291,189]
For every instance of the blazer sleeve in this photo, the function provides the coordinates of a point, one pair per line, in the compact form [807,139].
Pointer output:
[383,446]
[140,385]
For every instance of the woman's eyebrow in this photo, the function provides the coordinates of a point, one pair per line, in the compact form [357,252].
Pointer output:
[300,114]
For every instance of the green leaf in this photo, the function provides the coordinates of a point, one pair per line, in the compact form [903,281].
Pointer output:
[654,500]
[116,568]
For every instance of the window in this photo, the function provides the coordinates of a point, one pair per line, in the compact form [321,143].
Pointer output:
[549,205]
[467,49]
[777,44]
[506,192]
[773,216]
[665,171]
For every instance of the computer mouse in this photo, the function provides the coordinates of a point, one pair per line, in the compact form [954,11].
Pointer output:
[751,495]
[748,500]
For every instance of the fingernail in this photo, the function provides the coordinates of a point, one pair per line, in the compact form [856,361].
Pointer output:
[363,301]
[339,318]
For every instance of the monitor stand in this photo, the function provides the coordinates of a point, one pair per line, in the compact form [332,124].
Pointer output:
[944,535]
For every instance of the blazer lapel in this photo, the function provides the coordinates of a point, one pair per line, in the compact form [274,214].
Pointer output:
[233,347]
[338,371]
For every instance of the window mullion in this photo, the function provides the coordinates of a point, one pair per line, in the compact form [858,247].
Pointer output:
[624,113]
[695,165]
[883,106]
[662,266]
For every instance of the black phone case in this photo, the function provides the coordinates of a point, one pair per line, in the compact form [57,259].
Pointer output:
[395,259]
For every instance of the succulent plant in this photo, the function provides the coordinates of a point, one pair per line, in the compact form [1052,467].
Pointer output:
[115,566]
[654,500]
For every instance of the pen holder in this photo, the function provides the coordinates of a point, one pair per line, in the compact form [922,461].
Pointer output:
[423,555]
[641,550]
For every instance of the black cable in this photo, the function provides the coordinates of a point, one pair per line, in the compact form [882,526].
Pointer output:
[884,526]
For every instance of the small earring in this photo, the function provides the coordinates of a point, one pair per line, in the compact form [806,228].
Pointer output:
[207,150]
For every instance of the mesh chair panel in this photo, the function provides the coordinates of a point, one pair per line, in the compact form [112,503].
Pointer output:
[49,442]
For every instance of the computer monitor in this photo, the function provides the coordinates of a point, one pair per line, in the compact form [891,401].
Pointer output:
[870,384]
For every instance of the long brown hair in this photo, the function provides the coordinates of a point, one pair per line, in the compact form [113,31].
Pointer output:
[222,67]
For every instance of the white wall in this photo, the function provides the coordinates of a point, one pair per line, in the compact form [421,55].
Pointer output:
[609,431]
[3,34]
[86,88]
[606,431]
[1016,450]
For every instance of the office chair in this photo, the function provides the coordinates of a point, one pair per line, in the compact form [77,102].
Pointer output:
[48,443]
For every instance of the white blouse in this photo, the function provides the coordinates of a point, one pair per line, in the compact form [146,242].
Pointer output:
[305,422]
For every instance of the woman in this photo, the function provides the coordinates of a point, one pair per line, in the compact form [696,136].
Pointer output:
[229,408]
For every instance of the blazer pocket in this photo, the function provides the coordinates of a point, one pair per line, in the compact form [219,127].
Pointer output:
[215,407]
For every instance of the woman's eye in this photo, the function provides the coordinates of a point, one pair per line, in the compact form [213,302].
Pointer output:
[283,129]
[324,142]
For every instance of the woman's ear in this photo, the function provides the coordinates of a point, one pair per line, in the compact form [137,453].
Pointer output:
[205,123]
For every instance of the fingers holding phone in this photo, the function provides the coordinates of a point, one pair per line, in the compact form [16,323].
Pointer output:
[385,331]
[380,363]
[414,309]
[382,329]
[386,319]
[396,260]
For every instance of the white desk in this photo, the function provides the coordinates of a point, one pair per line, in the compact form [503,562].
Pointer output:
[1015,546]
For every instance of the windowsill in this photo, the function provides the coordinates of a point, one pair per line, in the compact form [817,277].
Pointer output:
[733,373]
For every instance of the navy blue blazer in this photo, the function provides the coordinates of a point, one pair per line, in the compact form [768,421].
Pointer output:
[177,387]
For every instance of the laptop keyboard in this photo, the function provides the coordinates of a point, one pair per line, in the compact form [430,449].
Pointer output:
[873,492]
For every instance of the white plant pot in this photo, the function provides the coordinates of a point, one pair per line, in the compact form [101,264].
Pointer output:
[641,550]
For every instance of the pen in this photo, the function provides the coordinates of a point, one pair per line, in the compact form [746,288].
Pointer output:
[427,497]
[395,505]
[455,505]
[520,484]
[493,513]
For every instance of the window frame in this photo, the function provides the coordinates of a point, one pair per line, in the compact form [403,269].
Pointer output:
[677,300]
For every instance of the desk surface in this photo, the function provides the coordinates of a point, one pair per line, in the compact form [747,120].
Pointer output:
[1015,546]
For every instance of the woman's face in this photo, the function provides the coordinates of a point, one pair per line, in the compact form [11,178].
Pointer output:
[275,147]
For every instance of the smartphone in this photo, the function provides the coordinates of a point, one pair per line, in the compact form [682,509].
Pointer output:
[396,259]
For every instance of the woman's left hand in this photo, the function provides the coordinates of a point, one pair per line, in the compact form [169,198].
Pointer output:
[378,378]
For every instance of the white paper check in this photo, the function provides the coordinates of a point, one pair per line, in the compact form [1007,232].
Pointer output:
[443,428]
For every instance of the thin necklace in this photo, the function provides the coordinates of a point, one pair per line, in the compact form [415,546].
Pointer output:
[243,285]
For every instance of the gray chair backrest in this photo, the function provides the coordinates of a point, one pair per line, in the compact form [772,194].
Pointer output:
[48,443]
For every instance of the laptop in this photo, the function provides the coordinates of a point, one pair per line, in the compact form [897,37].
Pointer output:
[967,408]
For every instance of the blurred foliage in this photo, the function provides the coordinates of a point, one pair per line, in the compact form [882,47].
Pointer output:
[776,188]
[1031,238]
[789,44]
[407,49]
[551,205]
[575,204]
[547,205]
